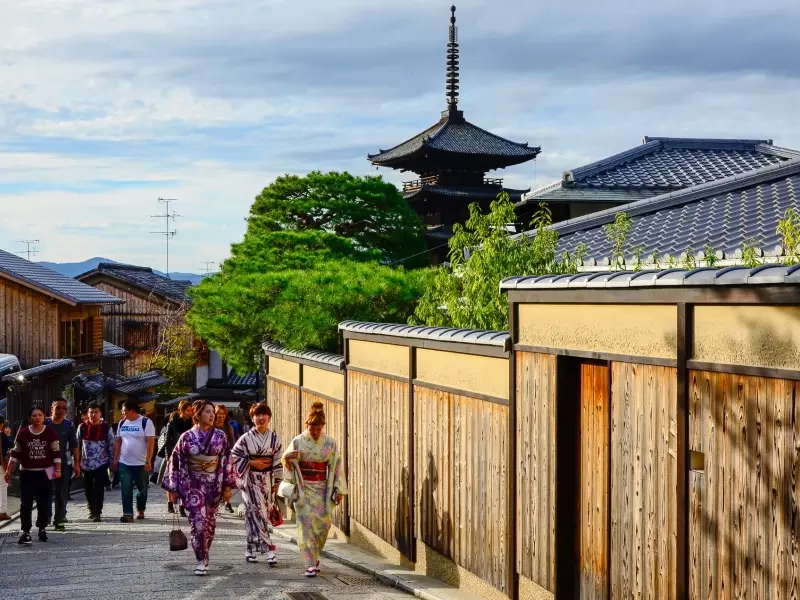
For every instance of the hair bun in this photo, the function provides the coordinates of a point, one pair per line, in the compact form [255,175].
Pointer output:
[316,414]
[318,407]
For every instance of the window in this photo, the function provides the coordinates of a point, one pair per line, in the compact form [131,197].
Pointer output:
[139,335]
[76,338]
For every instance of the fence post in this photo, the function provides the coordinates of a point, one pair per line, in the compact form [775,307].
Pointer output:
[300,424]
[511,460]
[684,339]
[346,442]
[412,473]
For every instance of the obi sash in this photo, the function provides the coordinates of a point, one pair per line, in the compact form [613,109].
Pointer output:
[200,463]
[314,471]
[262,457]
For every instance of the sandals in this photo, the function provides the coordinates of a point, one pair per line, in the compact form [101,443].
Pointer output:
[200,571]
[311,572]
[271,559]
[251,558]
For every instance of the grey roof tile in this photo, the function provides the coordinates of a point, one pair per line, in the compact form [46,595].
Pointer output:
[248,379]
[112,351]
[326,358]
[771,274]
[442,334]
[46,368]
[145,279]
[138,383]
[724,216]
[661,165]
[52,283]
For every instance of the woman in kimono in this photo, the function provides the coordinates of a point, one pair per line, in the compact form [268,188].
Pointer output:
[200,475]
[180,422]
[221,423]
[314,465]
[256,459]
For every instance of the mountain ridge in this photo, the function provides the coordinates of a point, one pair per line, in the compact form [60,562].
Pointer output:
[73,269]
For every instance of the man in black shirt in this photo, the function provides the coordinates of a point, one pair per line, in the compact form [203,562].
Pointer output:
[69,450]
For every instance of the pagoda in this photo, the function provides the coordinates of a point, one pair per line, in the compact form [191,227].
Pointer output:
[452,159]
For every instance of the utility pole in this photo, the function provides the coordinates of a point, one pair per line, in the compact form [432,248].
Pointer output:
[208,264]
[167,233]
[30,250]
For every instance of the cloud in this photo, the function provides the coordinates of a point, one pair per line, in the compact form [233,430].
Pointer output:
[107,105]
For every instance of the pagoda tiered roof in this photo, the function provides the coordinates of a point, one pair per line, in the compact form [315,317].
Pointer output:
[454,135]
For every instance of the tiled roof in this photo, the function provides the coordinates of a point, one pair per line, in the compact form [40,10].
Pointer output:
[249,379]
[93,384]
[461,137]
[326,358]
[47,368]
[143,278]
[173,402]
[704,276]
[661,165]
[112,351]
[139,383]
[50,282]
[723,215]
[439,334]
[476,192]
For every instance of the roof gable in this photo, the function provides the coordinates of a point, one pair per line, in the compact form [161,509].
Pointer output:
[51,283]
[143,278]
[661,165]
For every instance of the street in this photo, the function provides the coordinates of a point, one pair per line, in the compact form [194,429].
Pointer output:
[112,560]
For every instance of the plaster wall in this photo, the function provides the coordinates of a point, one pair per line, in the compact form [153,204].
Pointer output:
[324,382]
[632,329]
[285,370]
[381,358]
[758,336]
[468,372]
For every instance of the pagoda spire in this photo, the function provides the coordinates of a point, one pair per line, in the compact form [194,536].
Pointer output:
[452,65]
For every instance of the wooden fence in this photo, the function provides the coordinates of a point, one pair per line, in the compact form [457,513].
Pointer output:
[633,435]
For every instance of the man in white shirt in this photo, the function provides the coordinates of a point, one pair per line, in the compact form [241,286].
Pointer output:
[133,455]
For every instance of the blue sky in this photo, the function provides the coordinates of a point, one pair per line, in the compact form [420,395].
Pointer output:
[105,106]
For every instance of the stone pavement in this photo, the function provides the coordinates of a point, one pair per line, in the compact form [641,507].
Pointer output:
[113,560]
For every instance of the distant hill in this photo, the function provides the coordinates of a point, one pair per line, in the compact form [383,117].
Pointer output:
[75,269]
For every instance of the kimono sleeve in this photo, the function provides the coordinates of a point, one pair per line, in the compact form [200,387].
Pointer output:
[176,477]
[277,459]
[240,459]
[228,474]
[337,463]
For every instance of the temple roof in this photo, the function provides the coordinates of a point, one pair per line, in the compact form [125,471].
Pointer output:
[459,137]
[478,192]
[661,165]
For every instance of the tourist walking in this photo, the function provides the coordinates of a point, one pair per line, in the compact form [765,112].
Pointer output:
[314,465]
[222,423]
[6,444]
[199,474]
[180,422]
[96,439]
[36,449]
[70,460]
[256,459]
[133,455]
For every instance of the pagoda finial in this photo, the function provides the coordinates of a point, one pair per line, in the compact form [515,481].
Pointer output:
[452,64]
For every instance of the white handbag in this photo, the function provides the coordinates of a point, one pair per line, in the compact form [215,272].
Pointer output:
[287,491]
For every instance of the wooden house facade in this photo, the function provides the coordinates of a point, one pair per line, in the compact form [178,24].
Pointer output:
[151,304]
[46,315]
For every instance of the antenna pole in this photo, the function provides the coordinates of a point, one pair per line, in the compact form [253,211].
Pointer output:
[208,264]
[30,250]
[167,233]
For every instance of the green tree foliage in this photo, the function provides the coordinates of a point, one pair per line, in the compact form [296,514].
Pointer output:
[750,257]
[789,228]
[617,233]
[482,253]
[366,210]
[311,257]
[175,355]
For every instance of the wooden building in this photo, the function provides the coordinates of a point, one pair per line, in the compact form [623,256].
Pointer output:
[152,304]
[451,159]
[46,315]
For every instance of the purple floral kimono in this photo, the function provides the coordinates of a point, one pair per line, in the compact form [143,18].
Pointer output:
[198,470]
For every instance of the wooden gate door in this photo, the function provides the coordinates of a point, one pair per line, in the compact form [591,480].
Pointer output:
[594,482]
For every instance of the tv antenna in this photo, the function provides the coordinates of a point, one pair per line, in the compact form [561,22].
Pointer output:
[30,250]
[208,264]
[167,233]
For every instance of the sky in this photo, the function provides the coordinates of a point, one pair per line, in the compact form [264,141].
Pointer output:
[105,106]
